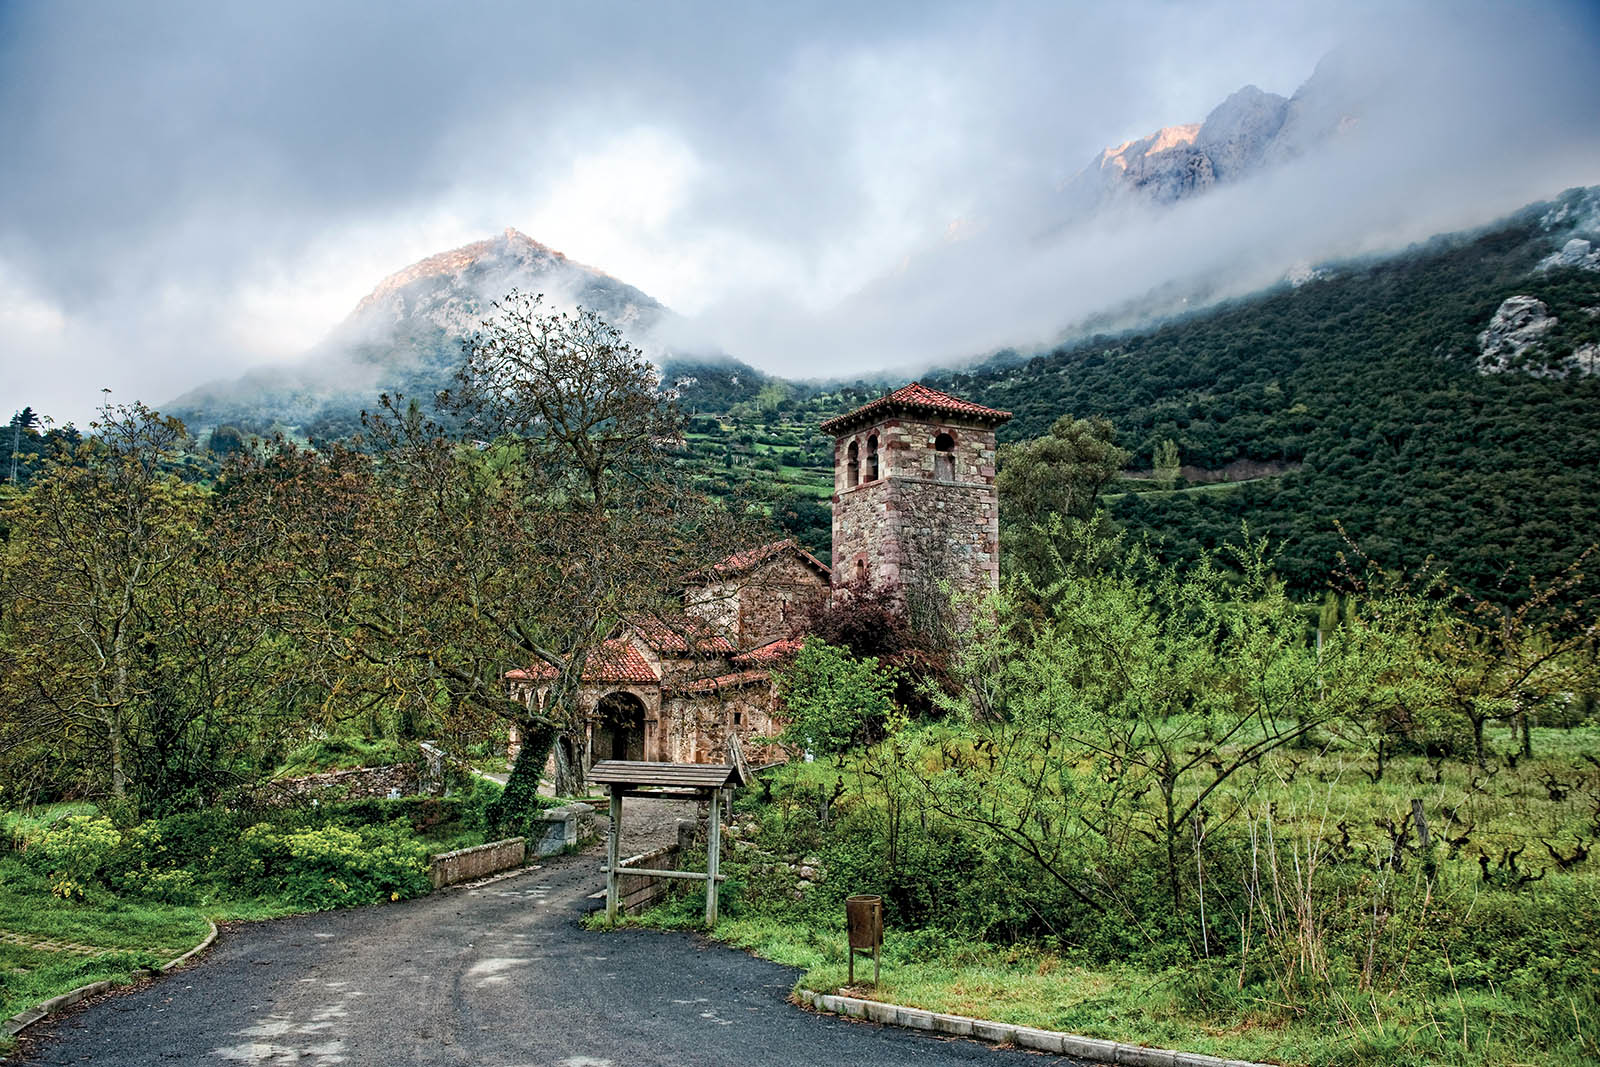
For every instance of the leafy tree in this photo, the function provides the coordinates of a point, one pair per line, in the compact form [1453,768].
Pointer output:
[834,700]
[1166,463]
[225,441]
[25,420]
[585,403]
[1142,691]
[1499,659]
[1059,476]
[137,653]
[772,395]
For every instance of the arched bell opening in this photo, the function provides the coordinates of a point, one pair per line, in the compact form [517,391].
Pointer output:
[944,458]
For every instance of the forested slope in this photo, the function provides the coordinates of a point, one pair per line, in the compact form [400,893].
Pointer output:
[1367,379]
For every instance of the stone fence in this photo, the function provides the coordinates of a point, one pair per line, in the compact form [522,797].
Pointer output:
[393,780]
[466,864]
[563,828]
[640,891]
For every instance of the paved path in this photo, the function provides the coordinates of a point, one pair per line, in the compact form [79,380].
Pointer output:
[497,976]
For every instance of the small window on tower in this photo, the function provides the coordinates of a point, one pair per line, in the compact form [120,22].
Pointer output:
[852,467]
[861,570]
[872,458]
[944,458]
[738,718]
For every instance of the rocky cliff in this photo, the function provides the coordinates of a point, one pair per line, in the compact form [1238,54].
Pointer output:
[1247,132]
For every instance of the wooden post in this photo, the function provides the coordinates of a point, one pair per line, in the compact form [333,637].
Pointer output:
[713,857]
[613,852]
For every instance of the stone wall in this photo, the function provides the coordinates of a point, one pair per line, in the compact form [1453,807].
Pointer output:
[397,779]
[919,522]
[641,891]
[780,594]
[466,864]
[563,828]
[763,604]
[701,721]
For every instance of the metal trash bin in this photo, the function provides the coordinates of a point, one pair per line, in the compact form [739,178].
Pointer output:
[864,922]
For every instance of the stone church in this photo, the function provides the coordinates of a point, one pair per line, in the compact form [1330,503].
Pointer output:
[914,511]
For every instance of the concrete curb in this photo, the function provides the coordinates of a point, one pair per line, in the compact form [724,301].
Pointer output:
[24,1019]
[1092,1049]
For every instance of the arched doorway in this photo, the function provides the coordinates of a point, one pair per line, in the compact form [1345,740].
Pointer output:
[619,727]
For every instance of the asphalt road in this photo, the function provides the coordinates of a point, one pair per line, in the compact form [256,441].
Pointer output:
[497,976]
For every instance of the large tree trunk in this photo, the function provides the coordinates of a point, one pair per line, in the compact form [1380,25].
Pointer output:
[569,781]
[115,724]
[521,797]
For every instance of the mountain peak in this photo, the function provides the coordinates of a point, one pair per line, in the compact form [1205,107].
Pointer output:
[456,260]
[1249,131]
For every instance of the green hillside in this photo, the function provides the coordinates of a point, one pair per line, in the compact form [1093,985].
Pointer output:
[1365,380]
[1353,399]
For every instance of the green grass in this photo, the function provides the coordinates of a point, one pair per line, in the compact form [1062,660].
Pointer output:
[113,935]
[1186,1009]
[340,753]
[1476,991]
[128,938]
[28,977]
[27,908]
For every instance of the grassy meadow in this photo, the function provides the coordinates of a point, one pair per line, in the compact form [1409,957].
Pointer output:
[1318,949]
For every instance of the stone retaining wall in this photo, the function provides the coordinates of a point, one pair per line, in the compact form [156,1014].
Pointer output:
[396,779]
[465,864]
[563,828]
[641,891]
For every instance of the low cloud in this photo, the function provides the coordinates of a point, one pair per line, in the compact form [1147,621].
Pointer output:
[197,189]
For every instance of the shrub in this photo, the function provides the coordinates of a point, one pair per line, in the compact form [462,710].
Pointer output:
[144,867]
[75,853]
[332,866]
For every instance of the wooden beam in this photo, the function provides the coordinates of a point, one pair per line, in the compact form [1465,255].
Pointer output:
[695,876]
[613,854]
[713,855]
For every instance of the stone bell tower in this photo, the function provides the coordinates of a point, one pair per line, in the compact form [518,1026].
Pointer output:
[914,500]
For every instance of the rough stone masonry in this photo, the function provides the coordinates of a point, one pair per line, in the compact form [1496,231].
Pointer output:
[914,501]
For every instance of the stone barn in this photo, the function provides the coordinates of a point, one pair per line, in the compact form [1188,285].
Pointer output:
[673,689]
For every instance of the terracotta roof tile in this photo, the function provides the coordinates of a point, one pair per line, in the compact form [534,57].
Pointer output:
[747,558]
[723,681]
[615,661]
[672,635]
[771,653]
[915,398]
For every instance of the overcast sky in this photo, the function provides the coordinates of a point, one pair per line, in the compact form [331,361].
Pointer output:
[187,190]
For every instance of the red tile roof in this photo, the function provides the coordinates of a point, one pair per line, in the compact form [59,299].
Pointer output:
[771,653]
[916,399]
[614,662]
[723,681]
[672,635]
[748,558]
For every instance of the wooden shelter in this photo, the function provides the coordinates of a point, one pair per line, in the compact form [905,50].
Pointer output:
[670,781]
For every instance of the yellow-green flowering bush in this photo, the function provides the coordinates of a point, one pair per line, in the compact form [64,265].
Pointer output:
[75,853]
[332,866]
